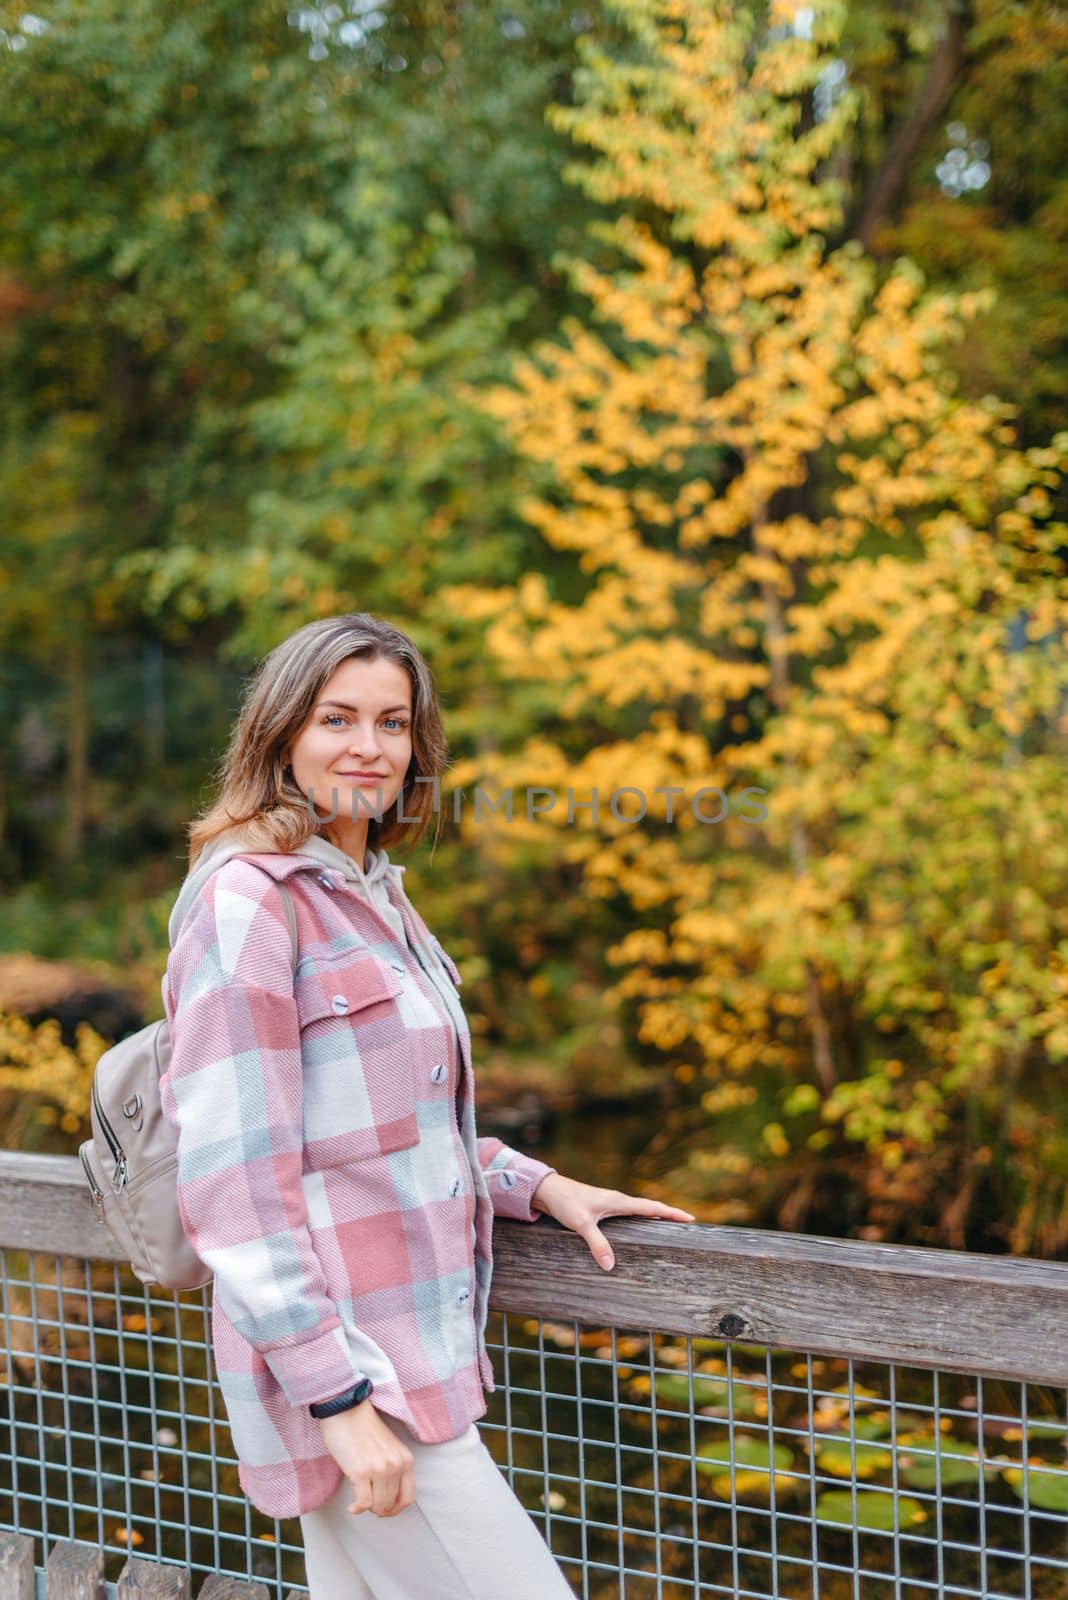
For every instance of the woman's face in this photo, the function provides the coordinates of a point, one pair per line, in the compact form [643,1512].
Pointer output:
[357,741]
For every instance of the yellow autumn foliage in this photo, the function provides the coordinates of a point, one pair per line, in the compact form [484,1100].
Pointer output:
[813,570]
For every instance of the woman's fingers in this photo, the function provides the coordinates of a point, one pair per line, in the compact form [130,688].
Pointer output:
[362,1498]
[405,1494]
[384,1496]
[407,1489]
[388,1490]
[640,1205]
[600,1249]
[634,1205]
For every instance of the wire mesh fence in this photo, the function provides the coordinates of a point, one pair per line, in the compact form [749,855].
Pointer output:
[655,1464]
[679,1466]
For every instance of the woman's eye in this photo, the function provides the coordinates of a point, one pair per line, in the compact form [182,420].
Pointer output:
[336,716]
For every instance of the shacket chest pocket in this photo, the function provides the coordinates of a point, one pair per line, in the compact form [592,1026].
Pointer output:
[359,1093]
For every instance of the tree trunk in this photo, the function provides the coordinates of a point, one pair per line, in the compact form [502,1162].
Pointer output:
[155,708]
[72,837]
[945,69]
[779,695]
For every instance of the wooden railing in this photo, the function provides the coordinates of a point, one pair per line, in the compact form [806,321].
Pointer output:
[1003,1316]
[855,1312]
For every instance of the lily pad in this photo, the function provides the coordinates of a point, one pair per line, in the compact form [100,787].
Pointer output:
[673,1388]
[1046,1490]
[833,1455]
[875,1512]
[837,1458]
[753,1464]
[957,1462]
[1048,1427]
[875,1425]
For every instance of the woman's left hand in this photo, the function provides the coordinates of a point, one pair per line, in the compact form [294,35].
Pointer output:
[580,1206]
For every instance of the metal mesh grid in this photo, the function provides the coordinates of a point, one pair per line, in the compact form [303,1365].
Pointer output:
[654,1464]
[677,1466]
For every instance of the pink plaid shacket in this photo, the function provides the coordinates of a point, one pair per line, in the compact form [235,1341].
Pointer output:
[329,1172]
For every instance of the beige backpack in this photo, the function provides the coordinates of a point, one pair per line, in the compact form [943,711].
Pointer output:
[131,1161]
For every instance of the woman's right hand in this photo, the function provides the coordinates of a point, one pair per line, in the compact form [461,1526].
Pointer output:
[379,1466]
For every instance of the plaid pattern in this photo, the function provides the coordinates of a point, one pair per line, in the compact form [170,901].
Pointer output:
[329,1171]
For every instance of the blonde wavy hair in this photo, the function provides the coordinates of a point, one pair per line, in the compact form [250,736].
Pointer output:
[256,788]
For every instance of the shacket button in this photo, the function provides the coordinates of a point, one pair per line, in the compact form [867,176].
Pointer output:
[439,1073]
[461,1298]
[506,1179]
[339,1003]
[455,1186]
[325,881]
[398,966]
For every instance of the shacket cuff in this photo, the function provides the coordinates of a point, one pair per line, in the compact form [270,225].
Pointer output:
[318,1369]
[512,1187]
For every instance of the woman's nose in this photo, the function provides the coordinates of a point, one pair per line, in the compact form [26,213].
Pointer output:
[364,745]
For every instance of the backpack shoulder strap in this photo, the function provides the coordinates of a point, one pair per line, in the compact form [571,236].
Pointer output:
[291,918]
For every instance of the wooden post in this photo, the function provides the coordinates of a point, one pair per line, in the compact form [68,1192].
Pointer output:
[17,1580]
[155,1580]
[74,1571]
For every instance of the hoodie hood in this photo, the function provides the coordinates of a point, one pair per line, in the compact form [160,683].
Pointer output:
[235,841]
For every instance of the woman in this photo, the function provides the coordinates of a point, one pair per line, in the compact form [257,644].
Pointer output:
[329,1172]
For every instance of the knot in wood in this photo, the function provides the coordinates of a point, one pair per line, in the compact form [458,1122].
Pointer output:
[732,1326]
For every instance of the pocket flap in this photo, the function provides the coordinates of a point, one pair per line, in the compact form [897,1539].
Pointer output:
[363,981]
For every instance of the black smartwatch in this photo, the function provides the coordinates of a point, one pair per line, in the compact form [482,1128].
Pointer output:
[343,1402]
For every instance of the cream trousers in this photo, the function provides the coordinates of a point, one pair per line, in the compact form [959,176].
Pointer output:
[465,1536]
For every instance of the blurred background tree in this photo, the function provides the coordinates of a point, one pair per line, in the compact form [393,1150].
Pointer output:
[805,557]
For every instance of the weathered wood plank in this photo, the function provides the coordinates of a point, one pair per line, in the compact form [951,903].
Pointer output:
[45,1205]
[74,1571]
[217,1586]
[154,1580]
[17,1580]
[955,1310]
[999,1315]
